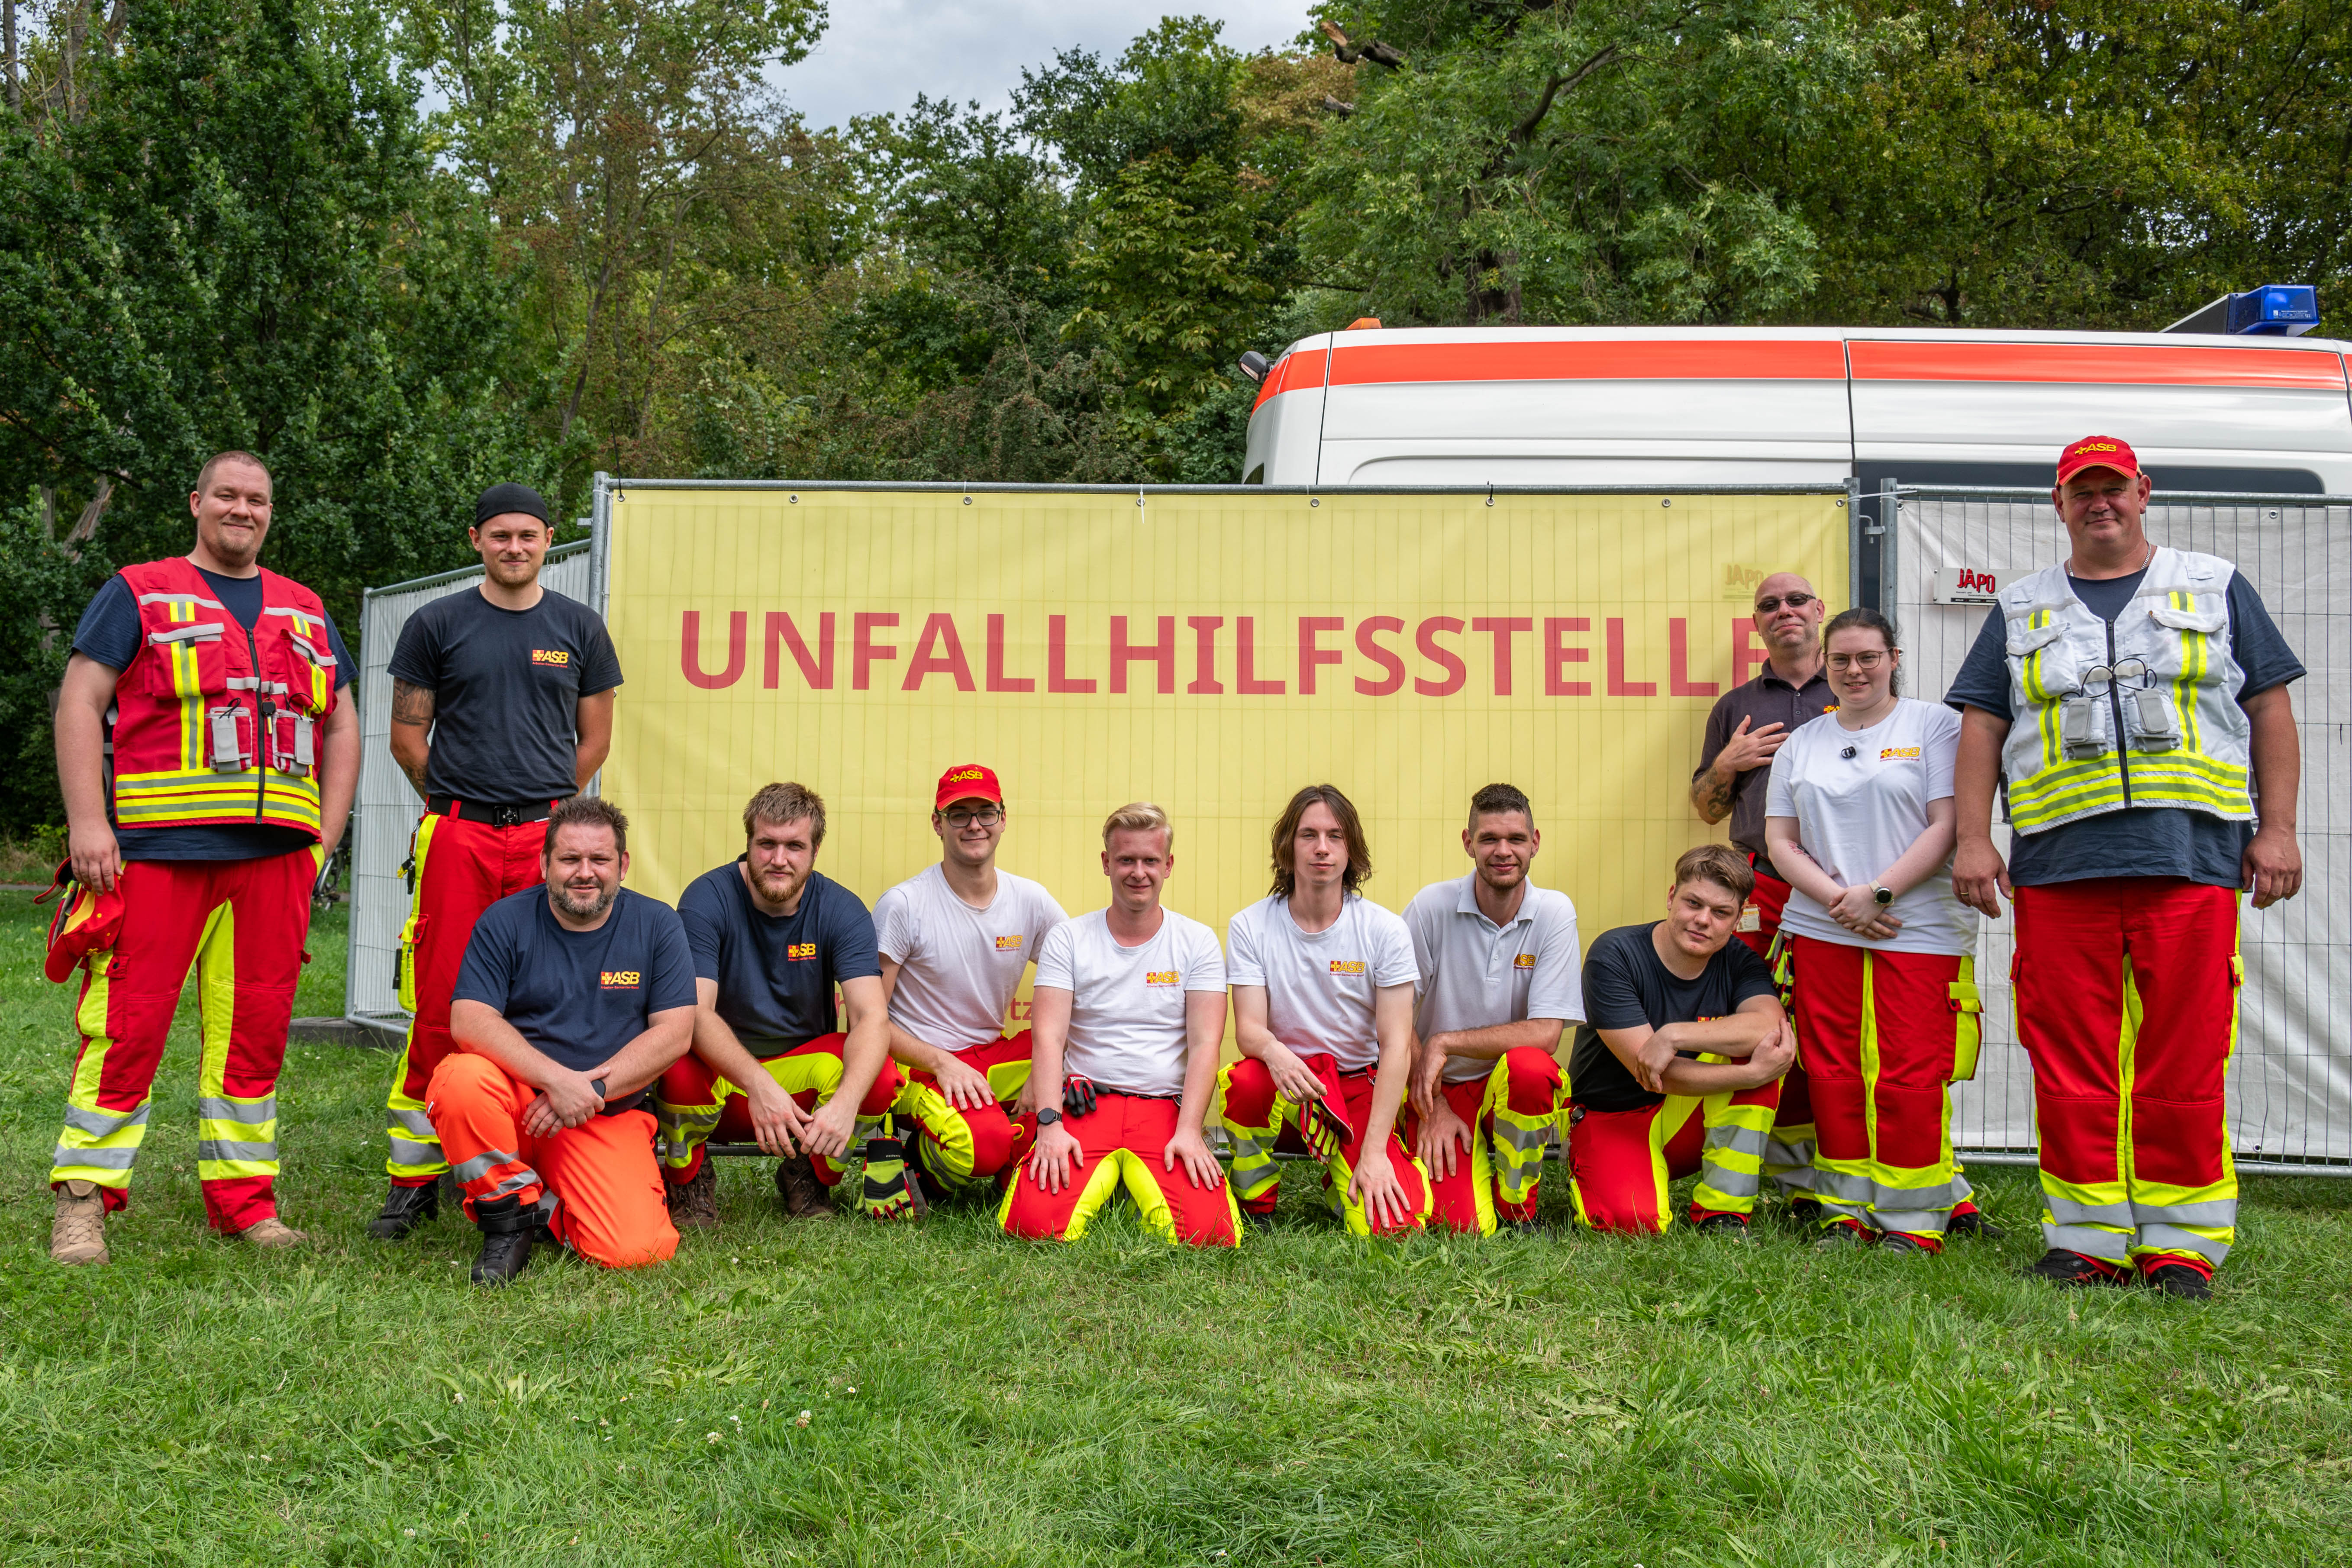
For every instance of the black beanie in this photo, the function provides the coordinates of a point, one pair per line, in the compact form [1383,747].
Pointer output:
[499,499]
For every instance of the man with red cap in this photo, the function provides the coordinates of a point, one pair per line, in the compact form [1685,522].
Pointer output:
[501,707]
[955,940]
[2131,704]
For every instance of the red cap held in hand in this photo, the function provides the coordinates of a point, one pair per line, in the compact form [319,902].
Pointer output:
[2097,452]
[968,781]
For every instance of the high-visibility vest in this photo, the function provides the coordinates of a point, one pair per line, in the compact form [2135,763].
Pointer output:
[213,724]
[2080,745]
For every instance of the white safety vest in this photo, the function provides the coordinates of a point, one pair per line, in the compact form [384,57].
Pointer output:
[2176,737]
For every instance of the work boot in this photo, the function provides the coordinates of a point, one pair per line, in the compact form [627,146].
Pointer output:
[693,1205]
[1838,1234]
[1975,1222]
[1731,1226]
[406,1208]
[2181,1280]
[1895,1241]
[271,1233]
[1805,1211]
[1259,1219]
[803,1196]
[2071,1270]
[507,1229]
[78,1234]
[889,1190]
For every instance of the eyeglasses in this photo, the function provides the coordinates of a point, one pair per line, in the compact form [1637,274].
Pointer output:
[1865,662]
[986,816]
[1794,602]
[2130,674]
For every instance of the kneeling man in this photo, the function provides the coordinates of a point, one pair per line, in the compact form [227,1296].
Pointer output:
[1128,1013]
[1322,985]
[772,940]
[571,999]
[1678,1067]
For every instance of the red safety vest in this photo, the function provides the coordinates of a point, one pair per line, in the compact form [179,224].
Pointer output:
[213,724]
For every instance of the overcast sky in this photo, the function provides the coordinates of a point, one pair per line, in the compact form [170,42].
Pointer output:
[877,54]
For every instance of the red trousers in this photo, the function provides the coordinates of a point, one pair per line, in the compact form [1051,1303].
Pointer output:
[693,1104]
[1260,1123]
[959,1148]
[242,924]
[1884,1034]
[610,1208]
[1513,1114]
[460,869]
[1123,1143]
[1788,1150]
[1620,1162]
[2127,1003]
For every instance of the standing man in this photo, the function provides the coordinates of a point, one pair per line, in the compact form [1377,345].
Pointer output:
[214,683]
[1499,980]
[2125,699]
[501,707]
[954,939]
[573,997]
[1323,983]
[774,940]
[1128,1012]
[1748,726]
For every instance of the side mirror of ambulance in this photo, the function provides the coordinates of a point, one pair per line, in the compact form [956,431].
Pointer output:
[1255,366]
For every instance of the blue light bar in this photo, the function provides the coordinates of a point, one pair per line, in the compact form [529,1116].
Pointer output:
[2276,310]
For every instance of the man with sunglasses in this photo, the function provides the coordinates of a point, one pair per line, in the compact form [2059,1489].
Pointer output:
[1749,725]
[955,939]
[2125,700]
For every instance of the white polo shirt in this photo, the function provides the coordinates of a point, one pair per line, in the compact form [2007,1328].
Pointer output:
[958,967]
[1127,1004]
[1320,985]
[1476,974]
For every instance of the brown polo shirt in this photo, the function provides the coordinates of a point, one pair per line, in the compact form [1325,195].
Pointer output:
[1767,700]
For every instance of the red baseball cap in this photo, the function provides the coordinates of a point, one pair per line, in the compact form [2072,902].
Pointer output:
[2097,452]
[968,781]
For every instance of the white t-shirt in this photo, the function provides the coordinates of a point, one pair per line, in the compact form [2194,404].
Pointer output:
[1319,985]
[958,967]
[1476,974]
[1857,815]
[1127,1004]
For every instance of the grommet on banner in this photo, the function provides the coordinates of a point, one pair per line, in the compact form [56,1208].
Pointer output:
[795,500]
[1312,501]
[1490,494]
[1138,496]
[618,495]
[967,501]
[1668,501]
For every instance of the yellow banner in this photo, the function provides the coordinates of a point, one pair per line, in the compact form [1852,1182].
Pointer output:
[1211,652]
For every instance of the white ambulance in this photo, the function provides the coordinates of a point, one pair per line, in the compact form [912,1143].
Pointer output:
[1644,407]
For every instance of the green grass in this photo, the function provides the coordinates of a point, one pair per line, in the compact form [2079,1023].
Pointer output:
[973,1401]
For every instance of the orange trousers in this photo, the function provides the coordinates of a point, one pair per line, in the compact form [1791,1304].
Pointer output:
[602,1171]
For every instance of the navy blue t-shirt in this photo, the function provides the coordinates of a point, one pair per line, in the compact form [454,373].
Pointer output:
[109,632]
[578,996]
[505,687]
[776,973]
[2139,840]
[1626,985]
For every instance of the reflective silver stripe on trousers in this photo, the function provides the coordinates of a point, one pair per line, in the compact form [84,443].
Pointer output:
[96,1159]
[1942,1196]
[2219,1212]
[1523,1139]
[483,1163]
[223,1151]
[1742,1140]
[2170,1238]
[407,1154]
[1730,1184]
[1923,1222]
[1846,1187]
[2066,1211]
[100,1124]
[252,1115]
[514,1184]
[409,1121]
[2091,1241]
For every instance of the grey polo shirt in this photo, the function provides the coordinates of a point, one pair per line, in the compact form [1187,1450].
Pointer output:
[1476,974]
[1767,700]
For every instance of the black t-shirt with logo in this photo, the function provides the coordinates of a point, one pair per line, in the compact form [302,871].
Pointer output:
[776,973]
[505,687]
[1626,985]
[578,996]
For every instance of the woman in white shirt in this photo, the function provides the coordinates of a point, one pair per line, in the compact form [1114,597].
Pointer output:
[1858,817]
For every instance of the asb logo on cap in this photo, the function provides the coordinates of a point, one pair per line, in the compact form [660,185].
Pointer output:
[1347,966]
[1008,944]
[1524,961]
[800,951]
[1159,977]
[549,656]
[619,979]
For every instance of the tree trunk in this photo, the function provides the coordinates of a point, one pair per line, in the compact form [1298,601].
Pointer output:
[8,44]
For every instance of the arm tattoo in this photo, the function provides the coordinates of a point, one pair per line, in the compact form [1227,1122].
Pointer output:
[412,704]
[1711,793]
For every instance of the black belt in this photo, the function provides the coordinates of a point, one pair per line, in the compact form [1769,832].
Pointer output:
[491,815]
[1764,867]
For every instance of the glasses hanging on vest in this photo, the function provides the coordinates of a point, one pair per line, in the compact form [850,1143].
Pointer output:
[2125,674]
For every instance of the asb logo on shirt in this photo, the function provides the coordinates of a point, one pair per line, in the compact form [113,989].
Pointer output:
[549,656]
[1899,754]
[799,952]
[1347,966]
[620,979]
[1524,961]
[1008,944]
[1159,977]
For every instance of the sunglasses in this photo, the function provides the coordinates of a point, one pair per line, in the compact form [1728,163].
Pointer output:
[1794,602]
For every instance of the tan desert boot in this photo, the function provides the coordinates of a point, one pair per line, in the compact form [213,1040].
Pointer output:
[272,1232]
[79,1233]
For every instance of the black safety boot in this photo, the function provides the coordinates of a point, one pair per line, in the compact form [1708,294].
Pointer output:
[2179,1279]
[2071,1270]
[1255,1219]
[406,1208]
[1729,1225]
[1975,1222]
[507,1230]
[1806,1211]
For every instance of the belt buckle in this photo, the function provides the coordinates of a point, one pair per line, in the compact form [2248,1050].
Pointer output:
[507,816]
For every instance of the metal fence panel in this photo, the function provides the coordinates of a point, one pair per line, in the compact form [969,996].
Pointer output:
[387,809]
[2290,1085]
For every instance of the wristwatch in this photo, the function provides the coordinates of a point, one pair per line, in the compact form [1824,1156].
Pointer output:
[1048,1116]
[1883,895]
[598,1085]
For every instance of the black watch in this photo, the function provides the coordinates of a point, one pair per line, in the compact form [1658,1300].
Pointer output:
[1048,1116]
[598,1085]
[1883,895]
